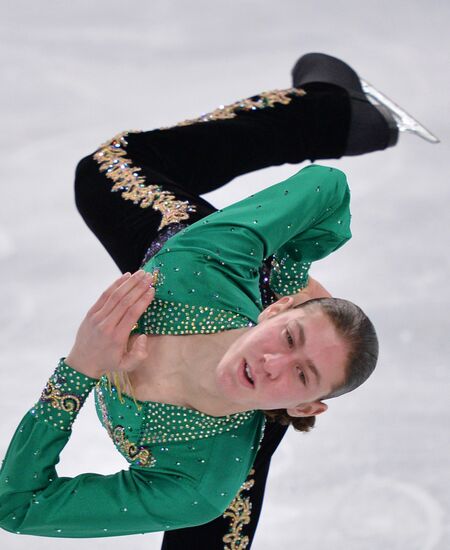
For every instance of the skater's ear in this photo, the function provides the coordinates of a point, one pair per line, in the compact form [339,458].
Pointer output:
[308,409]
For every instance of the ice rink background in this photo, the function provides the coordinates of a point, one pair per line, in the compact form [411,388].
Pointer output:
[375,473]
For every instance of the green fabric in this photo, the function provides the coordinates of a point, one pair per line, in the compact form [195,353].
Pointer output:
[208,282]
[215,262]
[191,482]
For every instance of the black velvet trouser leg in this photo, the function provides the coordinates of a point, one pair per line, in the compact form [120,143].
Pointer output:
[179,164]
[194,159]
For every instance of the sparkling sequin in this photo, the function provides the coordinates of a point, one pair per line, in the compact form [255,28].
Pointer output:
[288,276]
[63,397]
[163,236]
[166,317]
[138,454]
[111,157]
[239,512]
[163,423]
[263,100]
[59,400]
[134,453]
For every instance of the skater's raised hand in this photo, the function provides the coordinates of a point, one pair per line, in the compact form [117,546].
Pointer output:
[102,338]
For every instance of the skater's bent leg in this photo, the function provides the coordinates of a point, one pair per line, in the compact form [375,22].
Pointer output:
[141,182]
[273,128]
[124,228]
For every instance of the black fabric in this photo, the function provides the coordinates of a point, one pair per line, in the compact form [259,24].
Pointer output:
[204,156]
[195,159]
[125,229]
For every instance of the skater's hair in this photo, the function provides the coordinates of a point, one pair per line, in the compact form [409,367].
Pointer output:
[353,325]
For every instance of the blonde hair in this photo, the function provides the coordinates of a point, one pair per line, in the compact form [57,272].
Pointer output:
[120,379]
[123,385]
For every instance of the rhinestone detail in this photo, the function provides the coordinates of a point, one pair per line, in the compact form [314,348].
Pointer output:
[263,100]
[287,275]
[164,317]
[111,156]
[63,396]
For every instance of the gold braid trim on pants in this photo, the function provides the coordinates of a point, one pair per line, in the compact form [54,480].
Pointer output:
[113,160]
[263,100]
[111,157]
[239,512]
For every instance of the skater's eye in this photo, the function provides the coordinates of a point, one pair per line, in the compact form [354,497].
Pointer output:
[302,376]
[289,339]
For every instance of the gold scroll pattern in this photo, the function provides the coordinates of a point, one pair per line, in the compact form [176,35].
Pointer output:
[62,401]
[140,454]
[113,160]
[239,512]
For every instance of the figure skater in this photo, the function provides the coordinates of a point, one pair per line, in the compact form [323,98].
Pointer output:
[264,345]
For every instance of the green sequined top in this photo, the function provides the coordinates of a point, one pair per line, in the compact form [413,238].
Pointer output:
[185,467]
[208,273]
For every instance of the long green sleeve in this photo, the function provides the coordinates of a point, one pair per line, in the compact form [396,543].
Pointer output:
[216,261]
[209,276]
[35,501]
[329,229]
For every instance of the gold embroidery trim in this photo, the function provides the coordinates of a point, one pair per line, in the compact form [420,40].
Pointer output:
[141,454]
[261,101]
[239,512]
[63,401]
[113,160]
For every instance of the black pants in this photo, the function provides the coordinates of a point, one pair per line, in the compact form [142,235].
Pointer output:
[157,178]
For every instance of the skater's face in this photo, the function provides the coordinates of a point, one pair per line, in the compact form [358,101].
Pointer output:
[294,357]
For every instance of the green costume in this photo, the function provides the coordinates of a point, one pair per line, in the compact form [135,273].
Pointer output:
[185,466]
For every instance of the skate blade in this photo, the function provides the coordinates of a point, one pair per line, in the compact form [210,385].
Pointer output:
[405,122]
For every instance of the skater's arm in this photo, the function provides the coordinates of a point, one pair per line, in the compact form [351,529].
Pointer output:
[329,228]
[34,500]
[298,221]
